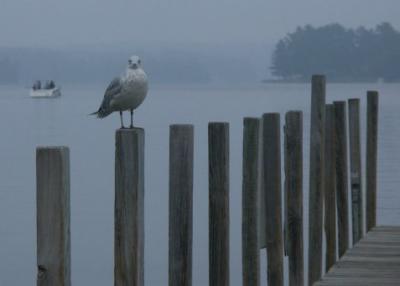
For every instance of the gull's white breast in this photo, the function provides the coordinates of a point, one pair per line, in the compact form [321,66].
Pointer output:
[133,92]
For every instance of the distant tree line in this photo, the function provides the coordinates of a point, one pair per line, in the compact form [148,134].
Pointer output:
[342,54]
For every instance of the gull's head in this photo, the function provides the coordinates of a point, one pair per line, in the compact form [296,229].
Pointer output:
[134,62]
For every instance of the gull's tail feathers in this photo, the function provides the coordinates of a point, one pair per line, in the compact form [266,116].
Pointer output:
[101,113]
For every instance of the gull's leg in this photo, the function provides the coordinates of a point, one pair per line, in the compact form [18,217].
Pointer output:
[131,118]
[122,121]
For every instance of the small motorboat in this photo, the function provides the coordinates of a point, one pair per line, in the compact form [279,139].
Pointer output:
[49,90]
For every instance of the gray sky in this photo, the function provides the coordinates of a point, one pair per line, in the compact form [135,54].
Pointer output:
[53,23]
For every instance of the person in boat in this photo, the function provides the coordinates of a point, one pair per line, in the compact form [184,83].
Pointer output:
[37,85]
[50,85]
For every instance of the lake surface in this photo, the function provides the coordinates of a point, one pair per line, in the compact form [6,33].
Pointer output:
[27,123]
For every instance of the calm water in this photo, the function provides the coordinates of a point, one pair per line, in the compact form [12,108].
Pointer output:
[27,123]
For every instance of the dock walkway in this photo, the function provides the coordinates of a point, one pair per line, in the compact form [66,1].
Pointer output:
[374,260]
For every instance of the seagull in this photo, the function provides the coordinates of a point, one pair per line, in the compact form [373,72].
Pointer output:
[126,92]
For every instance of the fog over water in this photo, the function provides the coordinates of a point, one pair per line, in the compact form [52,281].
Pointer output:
[80,41]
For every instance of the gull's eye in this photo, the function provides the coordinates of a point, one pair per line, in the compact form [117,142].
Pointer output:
[130,61]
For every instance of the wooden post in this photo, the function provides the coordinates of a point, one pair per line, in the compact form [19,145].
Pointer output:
[218,177]
[129,208]
[273,200]
[316,178]
[330,187]
[355,169]
[180,205]
[262,214]
[372,150]
[341,176]
[294,195]
[53,216]
[250,203]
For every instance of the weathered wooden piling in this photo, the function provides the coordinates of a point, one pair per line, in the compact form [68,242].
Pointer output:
[53,216]
[355,169]
[330,187]
[218,178]
[262,225]
[129,208]
[341,176]
[294,195]
[180,205]
[250,203]
[371,161]
[273,200]
[316,178]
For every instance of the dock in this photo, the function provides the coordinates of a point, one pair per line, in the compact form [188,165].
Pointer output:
[374,260]
[357,251]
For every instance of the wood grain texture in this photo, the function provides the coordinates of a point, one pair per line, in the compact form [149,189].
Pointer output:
[341,176]
[262,225]
[218,178]
[273,200]
[129,208]
[316,182]
[180,205]
[355,169]
[294,194]
[371,161]
[250,202]
[374,260]
[53,216]
[330,188]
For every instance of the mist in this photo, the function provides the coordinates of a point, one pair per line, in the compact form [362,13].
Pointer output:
[180,41]
[48,23]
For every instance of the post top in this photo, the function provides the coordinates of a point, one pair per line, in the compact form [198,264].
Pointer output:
[271,115]
[294,114]
[339,103]
[251,119]
[131,131]
[181,127]
[318,81]
[318,77]
[218,123]
[52,148]
[176,125]
[372,93]
[351,100]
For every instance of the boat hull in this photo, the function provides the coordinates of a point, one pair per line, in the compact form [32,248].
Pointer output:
[46,93]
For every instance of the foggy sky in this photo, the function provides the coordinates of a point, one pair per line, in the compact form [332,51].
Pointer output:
[59,23]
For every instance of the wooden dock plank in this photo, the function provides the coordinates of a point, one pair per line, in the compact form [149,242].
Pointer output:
[375,260]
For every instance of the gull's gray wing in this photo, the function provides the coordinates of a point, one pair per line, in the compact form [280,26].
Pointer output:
[113,89]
